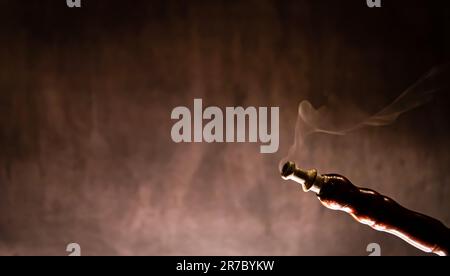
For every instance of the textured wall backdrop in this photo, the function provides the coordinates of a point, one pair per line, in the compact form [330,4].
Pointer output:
[85,101]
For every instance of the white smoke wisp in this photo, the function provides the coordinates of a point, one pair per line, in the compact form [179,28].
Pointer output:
[326,120]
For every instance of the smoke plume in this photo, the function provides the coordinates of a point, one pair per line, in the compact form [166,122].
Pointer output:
[338,119]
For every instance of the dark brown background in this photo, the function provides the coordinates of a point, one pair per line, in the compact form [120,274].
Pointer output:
[85,102]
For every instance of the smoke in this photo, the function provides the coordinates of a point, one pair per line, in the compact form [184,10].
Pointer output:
[340,119]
